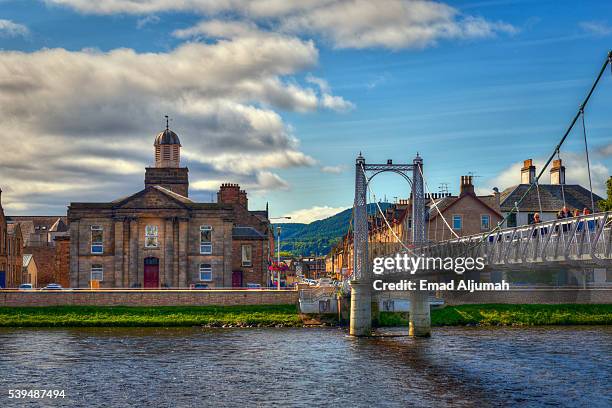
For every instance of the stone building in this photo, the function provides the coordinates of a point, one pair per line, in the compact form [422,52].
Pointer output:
[160,238]
[546,199]
[11,252]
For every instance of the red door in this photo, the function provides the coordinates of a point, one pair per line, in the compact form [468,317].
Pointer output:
[237,279]
[151,273]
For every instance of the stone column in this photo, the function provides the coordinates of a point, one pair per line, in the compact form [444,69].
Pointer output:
[74,254]
[169,253]
[134,244]
[118,255]
[183,252]
[420,317]
[361,309]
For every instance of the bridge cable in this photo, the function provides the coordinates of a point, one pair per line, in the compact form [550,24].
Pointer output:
[565,135]
[586,149]
[435,204]
[383,215]
[562,182]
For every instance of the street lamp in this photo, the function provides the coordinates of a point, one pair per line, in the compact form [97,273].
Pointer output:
[278,229]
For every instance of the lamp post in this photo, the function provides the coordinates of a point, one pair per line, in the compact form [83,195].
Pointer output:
[278,229]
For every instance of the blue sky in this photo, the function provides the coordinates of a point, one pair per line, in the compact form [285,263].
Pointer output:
[467,99]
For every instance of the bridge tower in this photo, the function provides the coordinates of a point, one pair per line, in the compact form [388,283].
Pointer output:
[420,318]
[361,283]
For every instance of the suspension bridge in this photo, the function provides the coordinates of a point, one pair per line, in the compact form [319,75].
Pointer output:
[582,241]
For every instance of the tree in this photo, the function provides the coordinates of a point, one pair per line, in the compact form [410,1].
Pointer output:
[606,205]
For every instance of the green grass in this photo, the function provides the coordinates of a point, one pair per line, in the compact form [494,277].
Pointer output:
[166,316]
[288,316]
[509,315]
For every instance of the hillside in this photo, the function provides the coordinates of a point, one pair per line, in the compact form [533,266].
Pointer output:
[318,237]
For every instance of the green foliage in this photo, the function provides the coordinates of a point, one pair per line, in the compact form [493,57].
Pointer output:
[164,316]
[318,237]
[509,315]
[606,205]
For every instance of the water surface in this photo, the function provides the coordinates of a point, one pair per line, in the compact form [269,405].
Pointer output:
[459,367]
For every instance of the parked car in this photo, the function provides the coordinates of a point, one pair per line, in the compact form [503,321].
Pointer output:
[26,286]
[53,286]
[199,286]
[325,282]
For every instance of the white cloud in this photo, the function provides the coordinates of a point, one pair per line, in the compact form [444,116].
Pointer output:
[142,22]
[327,100]
[308,215]
[605,150]
[86,119]
[333,169]
[575,173]
[393,24]
[597,28]
[9,28]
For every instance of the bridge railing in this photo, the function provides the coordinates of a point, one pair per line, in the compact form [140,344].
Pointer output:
[583,238]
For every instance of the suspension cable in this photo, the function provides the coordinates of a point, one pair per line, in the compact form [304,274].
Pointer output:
[383,215]
[562,182]
[436,205]
[586,149]
[557,148]
[539,200]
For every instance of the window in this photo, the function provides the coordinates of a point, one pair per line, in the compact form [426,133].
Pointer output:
[97,239]
[205,239]
[97,273]
[457,222]
[205,272]
[485,221]
[511,221]
[247,252]
[151,236]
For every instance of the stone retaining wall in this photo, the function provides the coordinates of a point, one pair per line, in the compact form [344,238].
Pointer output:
[530,296]
[148,298]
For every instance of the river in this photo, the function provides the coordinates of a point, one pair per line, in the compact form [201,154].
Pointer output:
[157,367]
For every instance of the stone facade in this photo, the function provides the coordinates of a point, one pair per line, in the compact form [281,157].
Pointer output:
[11,252]
[159,238]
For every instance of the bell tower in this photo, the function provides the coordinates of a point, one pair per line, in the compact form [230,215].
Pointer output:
[168,172]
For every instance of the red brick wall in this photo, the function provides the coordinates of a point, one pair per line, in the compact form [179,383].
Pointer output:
[61,264]
[45,262]
[257,272]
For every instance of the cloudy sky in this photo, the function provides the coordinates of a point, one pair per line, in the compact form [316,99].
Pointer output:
[281,96]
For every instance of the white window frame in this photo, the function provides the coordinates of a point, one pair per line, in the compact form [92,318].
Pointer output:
[96,248]
[151,231]
[246,262]
[460,218]
[206,269]
[97,269]
[206,246]
[482,218]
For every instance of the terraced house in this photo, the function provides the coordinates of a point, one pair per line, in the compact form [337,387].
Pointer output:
[160,238]
[11,252]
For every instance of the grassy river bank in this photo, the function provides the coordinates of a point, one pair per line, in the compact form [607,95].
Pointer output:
[288,316]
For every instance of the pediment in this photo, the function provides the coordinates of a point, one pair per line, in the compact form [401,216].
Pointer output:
[150,198]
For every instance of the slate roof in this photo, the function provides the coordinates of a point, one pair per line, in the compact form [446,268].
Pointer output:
[551,197]
[246,233]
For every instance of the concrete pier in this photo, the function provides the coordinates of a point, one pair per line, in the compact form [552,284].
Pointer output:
[361,309]
[420,316]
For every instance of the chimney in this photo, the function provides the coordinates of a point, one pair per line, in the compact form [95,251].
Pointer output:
[231,194]
[557,172]
[466,186]
[528,172]
[497,196]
